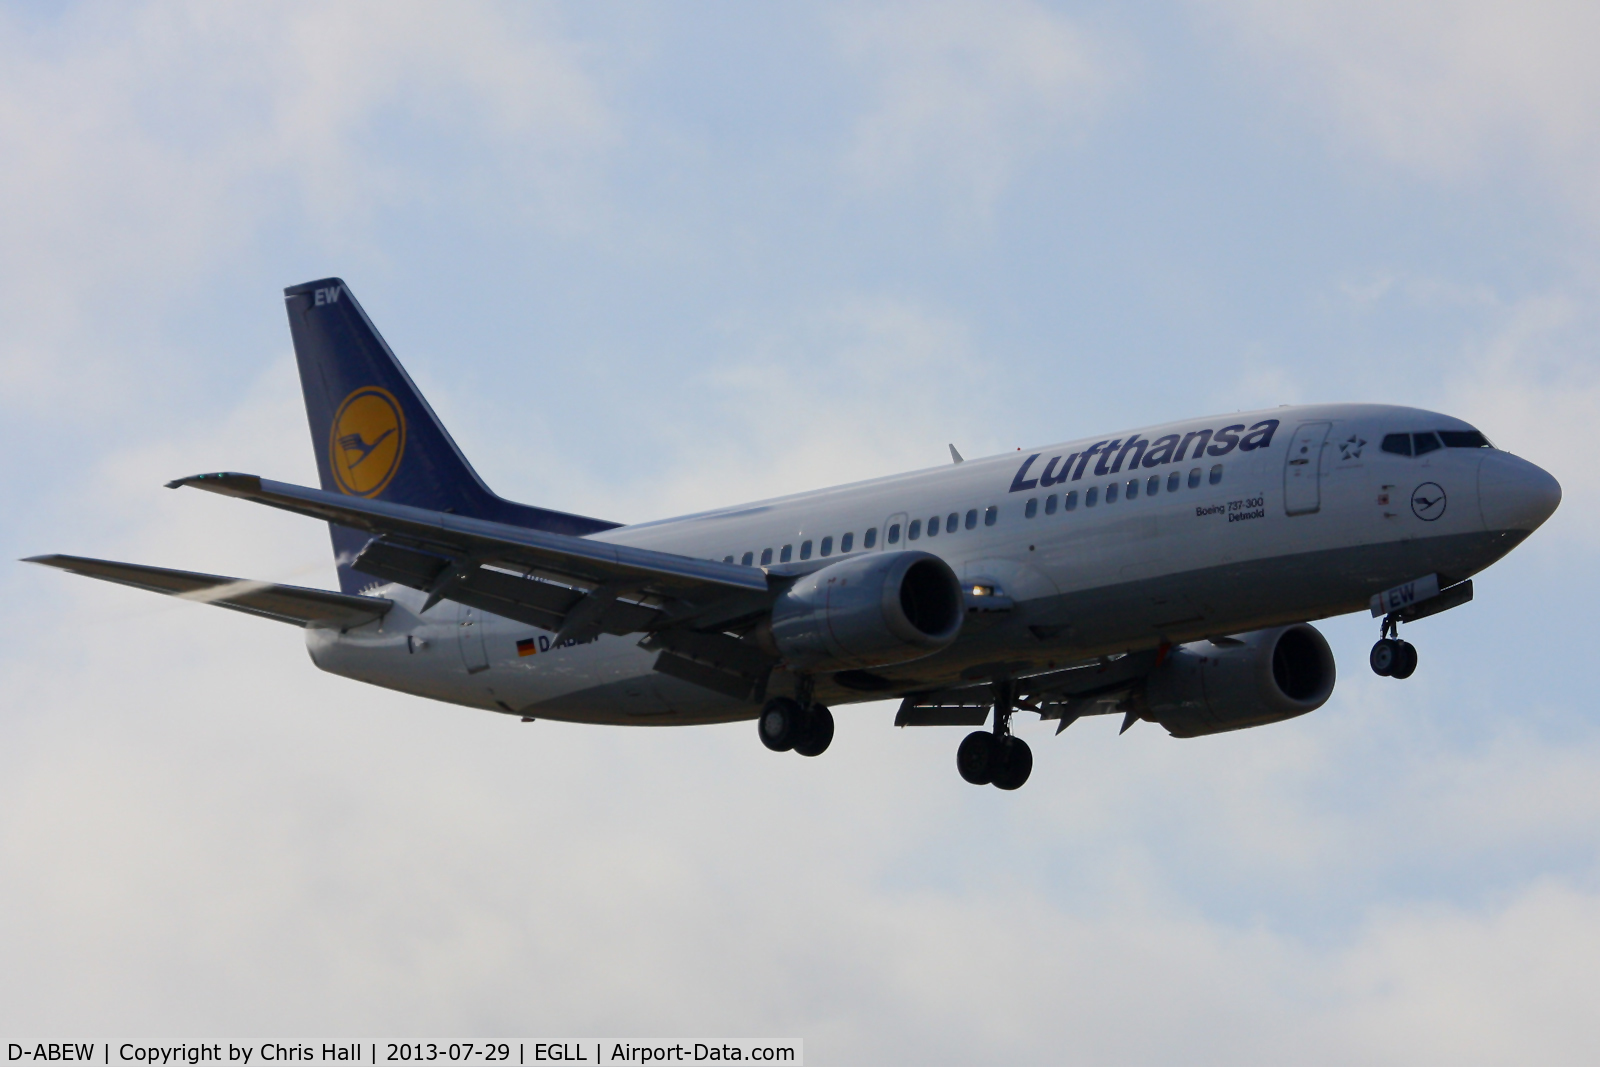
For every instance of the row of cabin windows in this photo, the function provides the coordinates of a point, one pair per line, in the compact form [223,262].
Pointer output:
[869,539]
[1420,444]
[786,553]
[951,523]
[1130,490]
[954,521]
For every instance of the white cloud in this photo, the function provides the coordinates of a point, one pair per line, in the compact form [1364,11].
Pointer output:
[970,91]
[146,145]
[1445,90]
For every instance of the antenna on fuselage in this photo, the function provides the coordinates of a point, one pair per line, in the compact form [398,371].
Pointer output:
[956,456]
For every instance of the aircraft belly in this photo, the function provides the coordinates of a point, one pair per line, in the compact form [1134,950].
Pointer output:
[1189,605]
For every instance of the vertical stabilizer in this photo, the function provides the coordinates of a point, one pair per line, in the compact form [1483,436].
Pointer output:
[373,433]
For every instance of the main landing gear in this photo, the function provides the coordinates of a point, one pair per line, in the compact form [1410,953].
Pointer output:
[996,758]
[1392,657]
[788,724]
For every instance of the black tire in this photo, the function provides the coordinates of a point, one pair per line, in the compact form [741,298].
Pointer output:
[976,759]
[781,724]
[1406,664]
[1016,763]
[1384,657]
[818,733]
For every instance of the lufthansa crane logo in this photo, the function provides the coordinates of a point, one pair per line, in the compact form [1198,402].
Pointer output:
[367,441]
[1427,503]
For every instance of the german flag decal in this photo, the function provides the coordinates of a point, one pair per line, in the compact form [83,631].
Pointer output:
[528,647]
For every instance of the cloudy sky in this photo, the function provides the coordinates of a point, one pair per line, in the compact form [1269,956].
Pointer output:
[650,258]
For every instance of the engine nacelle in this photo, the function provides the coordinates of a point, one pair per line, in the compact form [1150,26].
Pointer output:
[869,611]
[1208,687]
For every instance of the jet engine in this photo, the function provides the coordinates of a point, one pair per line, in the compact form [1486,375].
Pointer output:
[868,611]
[1208,687]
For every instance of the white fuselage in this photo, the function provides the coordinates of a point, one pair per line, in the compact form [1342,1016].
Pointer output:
[1301,520]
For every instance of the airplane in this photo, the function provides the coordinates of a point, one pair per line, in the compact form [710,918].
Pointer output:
[1166,574]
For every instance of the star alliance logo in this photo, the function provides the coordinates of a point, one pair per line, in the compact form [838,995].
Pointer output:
[1351,447]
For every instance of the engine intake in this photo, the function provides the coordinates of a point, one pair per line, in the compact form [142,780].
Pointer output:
[869,611]
[1208,687]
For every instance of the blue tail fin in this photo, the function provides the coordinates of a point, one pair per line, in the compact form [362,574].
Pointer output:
[373,433]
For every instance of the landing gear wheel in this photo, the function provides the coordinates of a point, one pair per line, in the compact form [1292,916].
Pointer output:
[1406,664]
[1016,763]
[1385,657]
[978,757]
[817,733]
[782,723]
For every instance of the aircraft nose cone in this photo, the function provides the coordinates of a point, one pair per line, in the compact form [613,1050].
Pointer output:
[1515,494]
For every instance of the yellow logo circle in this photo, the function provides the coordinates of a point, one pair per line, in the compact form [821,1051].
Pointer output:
[369,436]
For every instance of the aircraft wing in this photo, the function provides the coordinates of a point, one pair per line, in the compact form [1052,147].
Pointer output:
[285,603]
[575,586]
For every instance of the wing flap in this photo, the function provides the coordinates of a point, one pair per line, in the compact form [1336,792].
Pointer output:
[283,603]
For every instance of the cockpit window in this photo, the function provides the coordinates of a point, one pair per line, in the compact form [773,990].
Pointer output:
[1464,439]
[1418,444]
[1398,443]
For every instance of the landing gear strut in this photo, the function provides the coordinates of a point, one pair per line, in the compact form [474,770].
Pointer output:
[788,724]
[996,758]
[1392,657]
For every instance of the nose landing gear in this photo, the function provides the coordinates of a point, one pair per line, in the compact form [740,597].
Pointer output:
[1392,657]
[996,758]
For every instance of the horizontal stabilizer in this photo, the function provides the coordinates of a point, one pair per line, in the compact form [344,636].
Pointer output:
[285,603]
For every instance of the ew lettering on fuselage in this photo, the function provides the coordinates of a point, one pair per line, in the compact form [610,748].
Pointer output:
[1135,452]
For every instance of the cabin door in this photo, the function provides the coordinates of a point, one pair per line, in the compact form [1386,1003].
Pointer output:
[1302,471]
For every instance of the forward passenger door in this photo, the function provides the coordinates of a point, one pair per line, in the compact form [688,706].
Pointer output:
[1302,471]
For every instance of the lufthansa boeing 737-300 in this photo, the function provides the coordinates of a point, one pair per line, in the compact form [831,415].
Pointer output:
[1165,573]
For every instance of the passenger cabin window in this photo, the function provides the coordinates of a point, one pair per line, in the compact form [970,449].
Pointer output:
[894,534]
[1174,481]
[1091,496]
[972,518]
[805,549]
[1194,478]
[991,514]
[951,522]
[846,541]
[766,556]
[933,526]
[1050,504]
[1398,443]
[827,545]
[1069,501]
[1216,474]
[1424,442]
[1133,488]
[1111,493]
[869,538]
[784,556]
[914,531]
[1152,485]
[748,559]
[1032,509]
